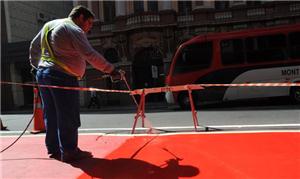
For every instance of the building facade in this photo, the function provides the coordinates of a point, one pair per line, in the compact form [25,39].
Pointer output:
[20,22]
[141,36]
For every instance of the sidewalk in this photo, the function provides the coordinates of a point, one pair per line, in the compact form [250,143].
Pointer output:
[130,108]
[150,106]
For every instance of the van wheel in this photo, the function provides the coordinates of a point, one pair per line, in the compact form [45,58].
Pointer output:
[295,95]
[184,100]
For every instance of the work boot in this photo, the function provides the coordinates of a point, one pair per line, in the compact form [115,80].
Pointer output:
[69,157]
[56,155]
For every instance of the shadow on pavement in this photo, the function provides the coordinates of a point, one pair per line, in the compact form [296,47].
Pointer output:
[133,168]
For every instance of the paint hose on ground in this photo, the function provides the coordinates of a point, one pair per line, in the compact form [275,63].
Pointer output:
[19,135]
[33,72]
[122,74]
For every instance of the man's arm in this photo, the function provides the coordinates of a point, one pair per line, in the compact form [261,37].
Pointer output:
[35,51]
[82,44]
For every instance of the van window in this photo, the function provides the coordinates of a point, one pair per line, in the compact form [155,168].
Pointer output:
[266,48]
[294,42]
[194,57]
[232,51]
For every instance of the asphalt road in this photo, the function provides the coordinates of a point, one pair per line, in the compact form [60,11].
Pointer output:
[233,116]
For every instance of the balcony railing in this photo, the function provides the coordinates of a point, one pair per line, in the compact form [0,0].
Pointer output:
[256,12]
[107,27]
[223,15]
[186,18]
[139,19]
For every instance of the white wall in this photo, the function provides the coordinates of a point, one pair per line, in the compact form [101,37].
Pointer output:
[23,16]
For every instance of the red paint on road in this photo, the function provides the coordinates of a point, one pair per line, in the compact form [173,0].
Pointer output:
[235,155]
[199,155]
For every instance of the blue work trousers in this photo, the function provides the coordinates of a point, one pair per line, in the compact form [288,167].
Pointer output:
[60,109]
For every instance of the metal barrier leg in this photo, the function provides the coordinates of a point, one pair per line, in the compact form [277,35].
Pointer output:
[194,112]
[143,109]
[140,113]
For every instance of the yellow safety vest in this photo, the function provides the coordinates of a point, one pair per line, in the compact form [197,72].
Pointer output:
[45,44]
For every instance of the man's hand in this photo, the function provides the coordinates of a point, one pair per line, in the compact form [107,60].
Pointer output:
[117,75]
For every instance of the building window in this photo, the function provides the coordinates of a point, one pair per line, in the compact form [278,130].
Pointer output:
[83,3]
[184,7]
[238,2]
[294,7]
[138,6]
[221,5]
[95,8]
[109,11]
[254,3]
[199,3]
[153,6]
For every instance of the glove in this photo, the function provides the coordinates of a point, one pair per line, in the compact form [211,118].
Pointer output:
[117,75]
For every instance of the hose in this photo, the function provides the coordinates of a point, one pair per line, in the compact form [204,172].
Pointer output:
[19,136]
[122,78]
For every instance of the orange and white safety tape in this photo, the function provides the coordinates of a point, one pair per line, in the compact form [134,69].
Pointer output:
[160,89]
[202,86]
[66,87]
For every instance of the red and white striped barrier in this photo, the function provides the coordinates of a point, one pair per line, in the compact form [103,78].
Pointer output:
[201,86]
[66,87]
[158,89]
[145,91]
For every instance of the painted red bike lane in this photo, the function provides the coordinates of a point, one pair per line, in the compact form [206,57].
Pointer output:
[192,155]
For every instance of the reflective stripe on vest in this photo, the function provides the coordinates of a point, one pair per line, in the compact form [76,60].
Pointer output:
[45,44]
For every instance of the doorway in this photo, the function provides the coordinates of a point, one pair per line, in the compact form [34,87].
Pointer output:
[148,71]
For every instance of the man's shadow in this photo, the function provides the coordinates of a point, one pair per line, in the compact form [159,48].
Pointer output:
[124,168]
